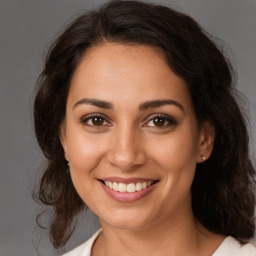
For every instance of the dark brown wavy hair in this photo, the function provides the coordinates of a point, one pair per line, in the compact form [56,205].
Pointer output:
[222,191]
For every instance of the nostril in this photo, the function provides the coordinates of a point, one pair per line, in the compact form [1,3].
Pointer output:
[126,156]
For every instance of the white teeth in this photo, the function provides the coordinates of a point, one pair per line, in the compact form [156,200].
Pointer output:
[144,184]
[110,185]
[138,186]
[130,188]
[115,186]
[122,187]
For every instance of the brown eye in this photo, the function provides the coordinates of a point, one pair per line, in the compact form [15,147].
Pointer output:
[97,121]
[159,121]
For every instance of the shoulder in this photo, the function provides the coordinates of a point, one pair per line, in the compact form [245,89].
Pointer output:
[85,248]
[231,246]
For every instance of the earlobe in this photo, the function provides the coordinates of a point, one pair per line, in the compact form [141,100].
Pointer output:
[62,136]
[206,143]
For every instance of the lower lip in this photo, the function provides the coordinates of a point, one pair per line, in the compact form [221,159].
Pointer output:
[127,197]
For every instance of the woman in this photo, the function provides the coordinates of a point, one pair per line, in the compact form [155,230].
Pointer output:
[137,116]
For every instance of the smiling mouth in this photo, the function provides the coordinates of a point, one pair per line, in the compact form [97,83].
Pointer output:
[130,187]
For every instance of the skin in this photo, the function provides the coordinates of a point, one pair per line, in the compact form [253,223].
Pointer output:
[127,141]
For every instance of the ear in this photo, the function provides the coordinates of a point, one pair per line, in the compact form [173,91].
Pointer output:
[63,139]
[206,141]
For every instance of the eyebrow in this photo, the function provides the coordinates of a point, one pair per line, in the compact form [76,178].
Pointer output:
[159,103]
[94,102]
[142,107]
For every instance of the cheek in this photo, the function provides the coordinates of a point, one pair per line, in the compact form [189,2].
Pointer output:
[84,149]
[177,150]
[176,157]
[177,161]
[85,154]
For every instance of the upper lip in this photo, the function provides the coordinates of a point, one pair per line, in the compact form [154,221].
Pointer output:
[127,180]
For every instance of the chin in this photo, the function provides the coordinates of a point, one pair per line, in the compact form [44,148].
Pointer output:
[127,220]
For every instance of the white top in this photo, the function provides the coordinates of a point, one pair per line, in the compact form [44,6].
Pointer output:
[229,247]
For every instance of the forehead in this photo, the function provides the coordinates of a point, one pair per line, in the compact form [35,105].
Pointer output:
[112,58]
[131,72]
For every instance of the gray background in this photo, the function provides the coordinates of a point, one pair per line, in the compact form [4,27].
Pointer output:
[26,29]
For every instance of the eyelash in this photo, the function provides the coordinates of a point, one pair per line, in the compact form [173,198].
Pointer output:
[90,117]
[167,119]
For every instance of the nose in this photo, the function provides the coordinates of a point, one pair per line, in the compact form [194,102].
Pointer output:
[126,151]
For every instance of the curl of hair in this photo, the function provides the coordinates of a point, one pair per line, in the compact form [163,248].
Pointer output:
[222,191]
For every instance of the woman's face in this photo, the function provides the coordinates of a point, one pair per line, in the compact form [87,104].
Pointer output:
[131,137]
